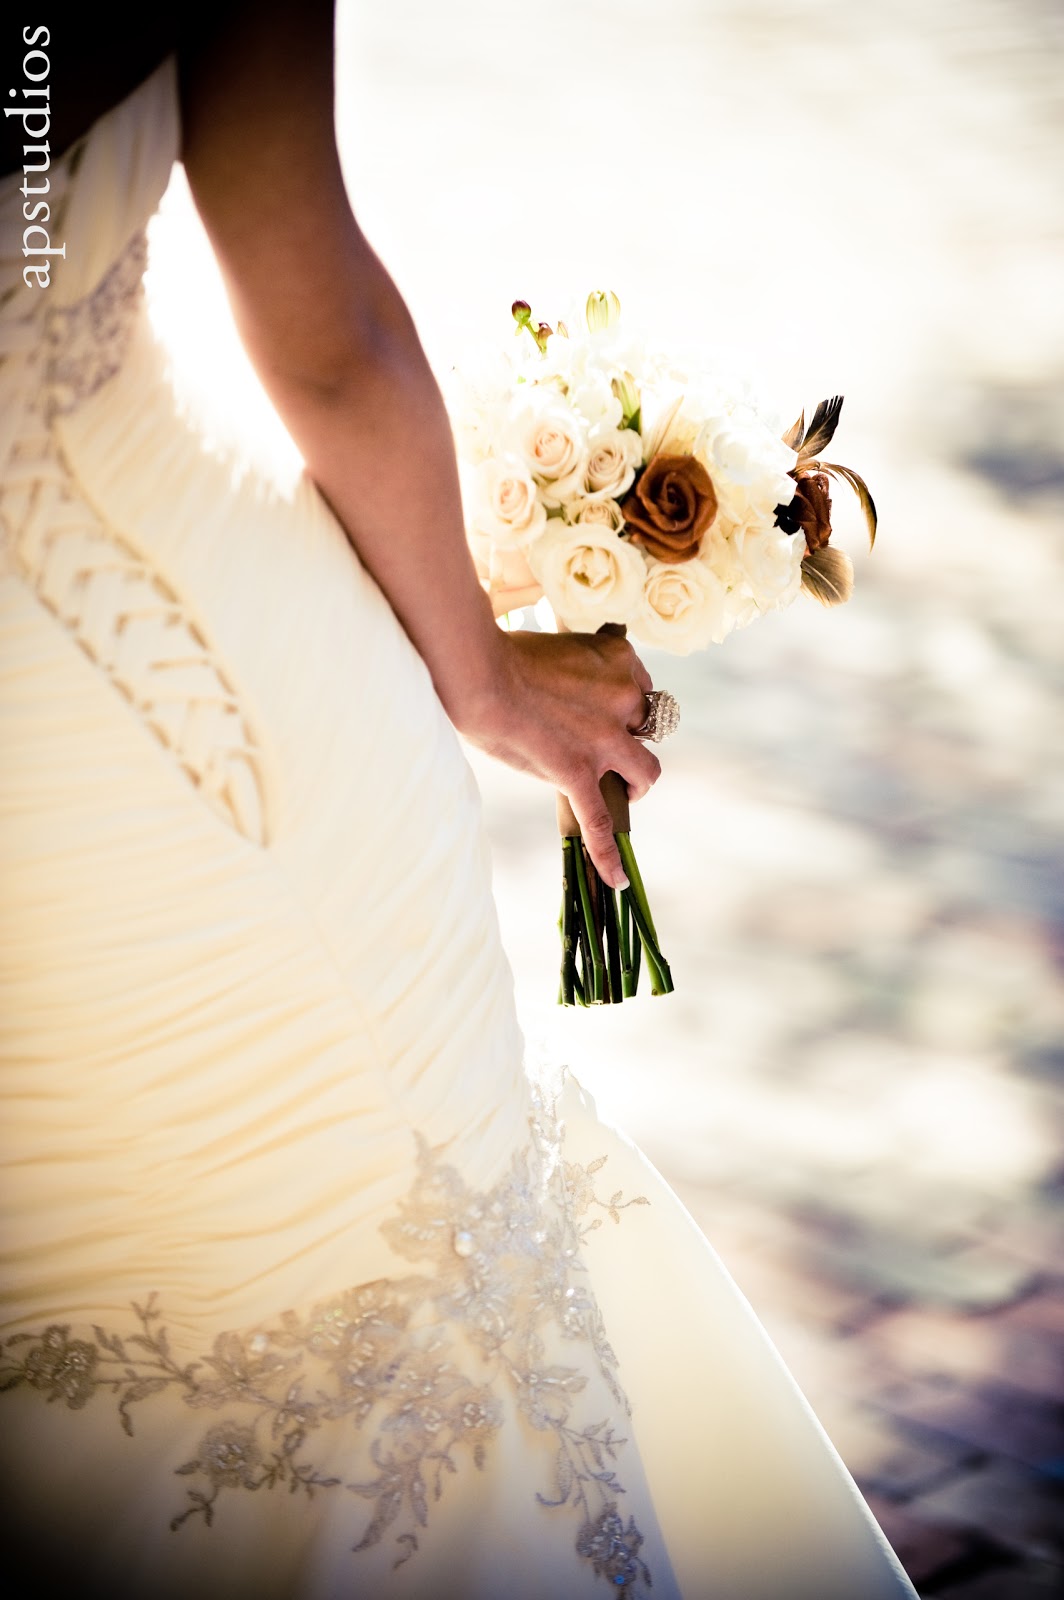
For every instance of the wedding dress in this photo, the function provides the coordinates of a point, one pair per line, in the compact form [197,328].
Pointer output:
[308,1289]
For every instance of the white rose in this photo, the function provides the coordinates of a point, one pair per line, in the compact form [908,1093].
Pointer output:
[755,501]
[505,504]
[604,513]
[748,454]
[551,440]
[613,456]
[771,562]
[683,608]
[590,576]
[737,452]
[721,555]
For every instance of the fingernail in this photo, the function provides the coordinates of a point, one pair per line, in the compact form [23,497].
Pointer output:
[622,882]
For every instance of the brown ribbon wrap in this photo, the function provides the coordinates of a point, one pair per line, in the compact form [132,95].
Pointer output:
[614,789]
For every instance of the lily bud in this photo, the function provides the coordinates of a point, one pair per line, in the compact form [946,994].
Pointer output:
[626,391]
[602,310]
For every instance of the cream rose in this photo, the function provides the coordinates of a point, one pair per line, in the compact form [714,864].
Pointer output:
[613,456]
[589,575]
[505,574]
[682,608]
[551,440]
[604,513]
[506,505]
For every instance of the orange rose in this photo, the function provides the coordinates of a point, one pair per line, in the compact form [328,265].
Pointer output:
[670,507]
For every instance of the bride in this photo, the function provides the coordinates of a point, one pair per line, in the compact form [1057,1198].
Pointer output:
[308,1288]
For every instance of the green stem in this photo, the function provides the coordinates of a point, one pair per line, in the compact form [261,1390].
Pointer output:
[594,966]
[583,959]
[594,889]
[637,945]
[595,892]
[568,975]
[644,920]
[639,894]
[613,951]
[604,935]
[660,976]
[629,977]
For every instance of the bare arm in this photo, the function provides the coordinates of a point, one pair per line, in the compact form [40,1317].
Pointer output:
[336,349]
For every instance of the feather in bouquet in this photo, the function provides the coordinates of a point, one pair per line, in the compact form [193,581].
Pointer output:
[635,495]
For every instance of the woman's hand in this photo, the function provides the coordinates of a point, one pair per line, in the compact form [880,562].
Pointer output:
[562,707]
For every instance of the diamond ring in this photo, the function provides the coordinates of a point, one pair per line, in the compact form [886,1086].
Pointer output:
[662,718]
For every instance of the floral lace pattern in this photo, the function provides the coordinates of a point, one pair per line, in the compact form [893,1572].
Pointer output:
[422,1361]
[86,343]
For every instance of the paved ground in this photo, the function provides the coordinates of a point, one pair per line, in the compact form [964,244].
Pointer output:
[854,856]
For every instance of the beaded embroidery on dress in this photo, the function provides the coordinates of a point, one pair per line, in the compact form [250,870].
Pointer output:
[416,1361]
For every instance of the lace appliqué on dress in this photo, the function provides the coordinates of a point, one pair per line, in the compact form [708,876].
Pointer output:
[421,1361]
[86,343]
[126,617]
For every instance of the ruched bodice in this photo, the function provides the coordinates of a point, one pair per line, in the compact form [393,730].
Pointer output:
[306,1288]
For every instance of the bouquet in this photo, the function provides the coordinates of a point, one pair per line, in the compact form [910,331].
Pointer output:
[623,491]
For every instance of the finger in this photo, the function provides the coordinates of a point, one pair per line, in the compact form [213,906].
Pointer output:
[640,769]
[596,827]
[637,706]
[627,658]
[641,675]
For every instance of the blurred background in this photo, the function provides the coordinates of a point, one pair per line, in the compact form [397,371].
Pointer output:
[854,854]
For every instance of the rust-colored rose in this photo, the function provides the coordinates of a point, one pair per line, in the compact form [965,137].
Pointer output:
[809,511]
[670,507]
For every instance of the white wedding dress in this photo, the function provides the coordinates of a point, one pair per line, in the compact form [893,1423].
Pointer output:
[307,1290]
